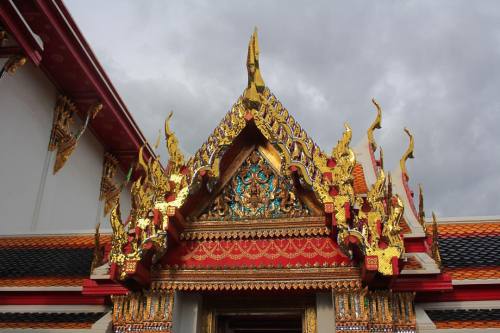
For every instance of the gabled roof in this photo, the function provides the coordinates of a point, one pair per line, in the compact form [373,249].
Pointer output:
[260,106]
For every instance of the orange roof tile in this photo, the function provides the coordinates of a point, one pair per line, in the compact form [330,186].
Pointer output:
[460,324]
[359,179]
[46,325]
[474,273]
[469,229]
[42,282]
[71,241]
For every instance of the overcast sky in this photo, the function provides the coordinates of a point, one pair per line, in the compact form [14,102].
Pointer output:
[434,66]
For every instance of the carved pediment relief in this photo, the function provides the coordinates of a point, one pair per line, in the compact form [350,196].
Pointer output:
[256,191]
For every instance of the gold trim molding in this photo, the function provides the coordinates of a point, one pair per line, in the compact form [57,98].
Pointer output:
[290,227]
[340,278]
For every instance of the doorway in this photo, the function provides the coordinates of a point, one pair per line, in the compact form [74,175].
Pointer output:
[259,323]
[259,313]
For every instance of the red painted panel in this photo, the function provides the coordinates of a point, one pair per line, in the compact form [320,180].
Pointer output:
[488,292]
[262,252]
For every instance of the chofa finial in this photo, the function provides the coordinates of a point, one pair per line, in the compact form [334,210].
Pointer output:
[377,124]
[408,154]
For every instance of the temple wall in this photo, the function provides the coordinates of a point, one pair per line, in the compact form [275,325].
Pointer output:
[32,199]
[186,313]
[325,313]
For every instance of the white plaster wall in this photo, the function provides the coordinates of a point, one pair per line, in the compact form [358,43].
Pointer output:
[26,99]
[325,313]
[70,198]
[186,312]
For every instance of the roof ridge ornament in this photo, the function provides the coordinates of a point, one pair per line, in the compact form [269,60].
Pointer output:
[376,124]
[408,154]
[256,84]
[176,157]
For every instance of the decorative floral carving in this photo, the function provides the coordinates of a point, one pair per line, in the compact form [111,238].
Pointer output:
[61,136]
[143,311]
[110,192]
[256,191]
[13,64]
[379,311]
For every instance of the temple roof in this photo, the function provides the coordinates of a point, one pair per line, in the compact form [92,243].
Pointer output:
[465,319]
[260,106]
[470,251]
[44,261]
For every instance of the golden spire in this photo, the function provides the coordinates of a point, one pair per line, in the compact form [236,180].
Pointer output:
[408,154]
[375,125]
[255,82]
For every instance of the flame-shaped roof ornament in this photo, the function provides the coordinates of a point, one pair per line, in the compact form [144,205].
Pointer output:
[377,124]
[408,154]
[255,82]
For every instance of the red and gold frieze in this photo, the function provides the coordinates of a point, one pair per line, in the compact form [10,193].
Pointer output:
[312,251]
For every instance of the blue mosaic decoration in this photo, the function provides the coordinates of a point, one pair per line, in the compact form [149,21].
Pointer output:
[256,191]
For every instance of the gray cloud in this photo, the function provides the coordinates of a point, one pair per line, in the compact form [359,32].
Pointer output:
[433,66]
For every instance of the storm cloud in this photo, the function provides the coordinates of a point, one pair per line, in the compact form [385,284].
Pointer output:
[433,67]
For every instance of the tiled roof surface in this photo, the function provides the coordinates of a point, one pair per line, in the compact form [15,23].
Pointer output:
[470,251]
[16,263]
[46,260]
[474,318]
[42,281]
[48,320]
[474,273]
[359,179]
[483,251]
[60,241]
[469,229]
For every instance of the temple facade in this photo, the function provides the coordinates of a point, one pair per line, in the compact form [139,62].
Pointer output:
[261,230]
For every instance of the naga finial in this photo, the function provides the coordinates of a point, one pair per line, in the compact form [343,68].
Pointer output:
[176,158]
[255,82]
[377,124]
[408,154]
